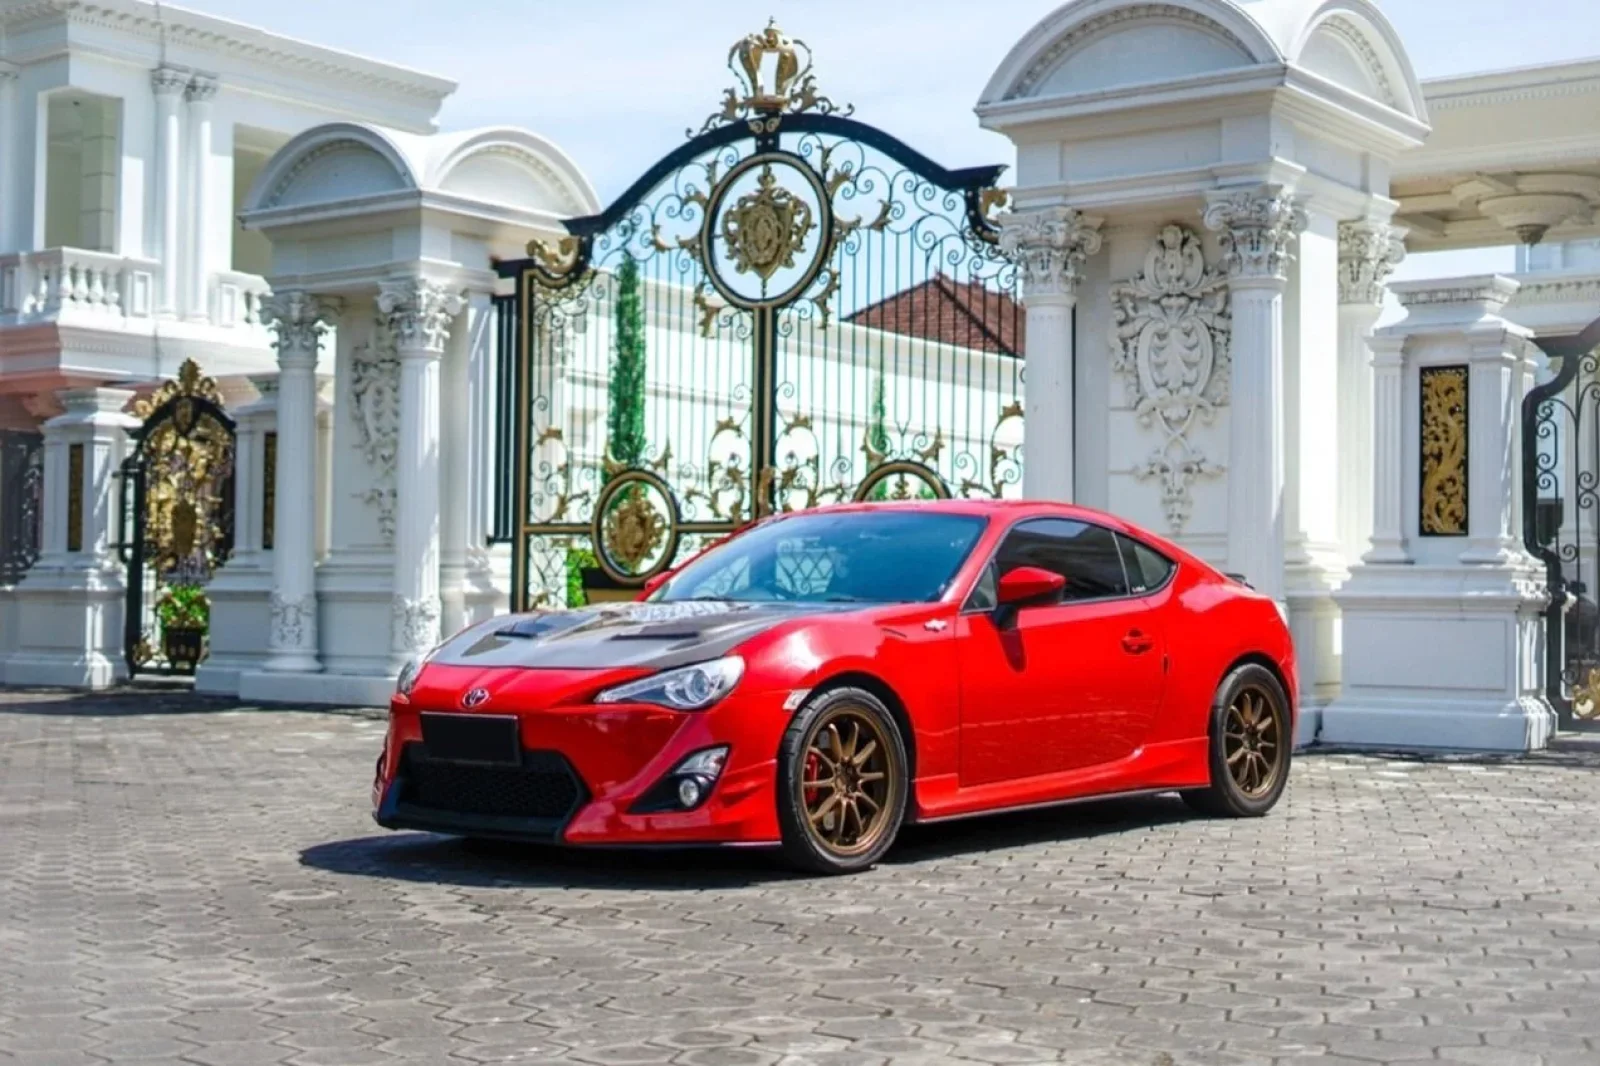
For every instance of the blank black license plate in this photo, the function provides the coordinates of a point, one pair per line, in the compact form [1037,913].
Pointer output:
[491,738]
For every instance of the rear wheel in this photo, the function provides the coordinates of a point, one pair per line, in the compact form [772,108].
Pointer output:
[1250,746]
[842,783]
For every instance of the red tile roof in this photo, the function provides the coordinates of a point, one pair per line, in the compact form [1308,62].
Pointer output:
[959,313]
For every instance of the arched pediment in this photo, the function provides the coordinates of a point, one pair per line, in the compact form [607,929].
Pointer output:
[1091,45]
[515,167]
[332,163]
[1351,43]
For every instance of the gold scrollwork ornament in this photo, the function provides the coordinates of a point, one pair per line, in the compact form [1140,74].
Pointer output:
[1444,451]
[764,230]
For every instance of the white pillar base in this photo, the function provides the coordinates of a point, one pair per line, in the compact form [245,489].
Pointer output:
[241,625]
[320,689]
[1442,658]
[70,630]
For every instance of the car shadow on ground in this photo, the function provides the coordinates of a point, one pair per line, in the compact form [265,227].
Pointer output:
[428,857]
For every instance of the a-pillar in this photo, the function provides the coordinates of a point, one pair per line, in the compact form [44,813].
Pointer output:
[241,591]
[419,313]
[1368,252]
[299,320]
[1049,246]
[1254,230]
[168,85]
[1442,621]
[201,91]
[70,605]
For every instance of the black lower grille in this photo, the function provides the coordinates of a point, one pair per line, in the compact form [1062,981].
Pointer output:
[543,787]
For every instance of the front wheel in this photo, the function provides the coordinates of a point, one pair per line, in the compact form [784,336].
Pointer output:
[1250,745]
[842,783]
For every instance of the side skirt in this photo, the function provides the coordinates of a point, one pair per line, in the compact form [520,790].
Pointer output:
[1042,805]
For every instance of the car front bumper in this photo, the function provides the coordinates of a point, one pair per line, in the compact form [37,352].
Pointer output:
[583,769]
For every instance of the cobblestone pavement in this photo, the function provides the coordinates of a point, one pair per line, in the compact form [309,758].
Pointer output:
[199,885]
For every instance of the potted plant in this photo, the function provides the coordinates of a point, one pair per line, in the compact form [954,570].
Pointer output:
[185,616]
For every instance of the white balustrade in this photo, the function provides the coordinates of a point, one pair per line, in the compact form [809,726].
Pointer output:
[236,299]
[72,281]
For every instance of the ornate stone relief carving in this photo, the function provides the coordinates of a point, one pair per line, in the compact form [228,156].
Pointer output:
[293,622]
[416,624]
[1368,254]
[1169,340]
[1357,42]
[375,402]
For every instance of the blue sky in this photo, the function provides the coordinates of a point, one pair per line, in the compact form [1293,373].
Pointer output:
[615,82]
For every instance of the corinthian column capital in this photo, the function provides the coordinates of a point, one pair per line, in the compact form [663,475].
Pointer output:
[1049,245]
[1254,228]
[298,319]
[1368,253]
[419,312]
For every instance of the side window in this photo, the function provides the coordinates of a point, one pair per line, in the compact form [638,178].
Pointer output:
[984,595]
[1148,569]
[1083,553]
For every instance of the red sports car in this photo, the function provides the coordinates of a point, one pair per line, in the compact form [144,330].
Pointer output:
[825,677]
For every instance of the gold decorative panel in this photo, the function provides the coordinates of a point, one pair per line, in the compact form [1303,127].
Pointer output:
[75,498]
[269,493]
[1444,451]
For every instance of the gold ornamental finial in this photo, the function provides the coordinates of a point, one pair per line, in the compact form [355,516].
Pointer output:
[768,89]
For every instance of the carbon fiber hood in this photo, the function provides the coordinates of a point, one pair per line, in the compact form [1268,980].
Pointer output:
[642,635]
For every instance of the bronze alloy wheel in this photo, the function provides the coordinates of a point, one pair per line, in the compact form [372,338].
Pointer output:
[849,785]
[1253,742]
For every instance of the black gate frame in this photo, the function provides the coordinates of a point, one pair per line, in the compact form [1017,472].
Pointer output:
[762,118]
[134,545]
[21,501]
[1580,357]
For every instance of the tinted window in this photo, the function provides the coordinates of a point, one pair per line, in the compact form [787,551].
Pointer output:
[1085,554]
[885,556]
[1148,569]
[984,595]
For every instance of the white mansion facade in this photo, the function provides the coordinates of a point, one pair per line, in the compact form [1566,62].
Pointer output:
[1210,197]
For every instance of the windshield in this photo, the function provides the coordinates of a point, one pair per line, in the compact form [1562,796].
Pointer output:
[885,556]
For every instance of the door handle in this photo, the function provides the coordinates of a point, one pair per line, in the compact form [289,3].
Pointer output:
[1136,643]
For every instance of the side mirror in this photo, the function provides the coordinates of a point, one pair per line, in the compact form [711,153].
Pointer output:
[654,583]
[1025,585]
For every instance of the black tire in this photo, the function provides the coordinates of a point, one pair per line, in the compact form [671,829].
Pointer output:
[1250,785]
[806,813]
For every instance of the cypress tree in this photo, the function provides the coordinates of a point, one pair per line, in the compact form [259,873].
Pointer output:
[625,437]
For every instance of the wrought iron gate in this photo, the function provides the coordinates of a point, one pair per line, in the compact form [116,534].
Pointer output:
[21,499]
[1561,515]
[792,308]
[177,515]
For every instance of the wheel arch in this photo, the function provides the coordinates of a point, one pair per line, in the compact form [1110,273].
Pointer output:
[891,699]
[1261,659]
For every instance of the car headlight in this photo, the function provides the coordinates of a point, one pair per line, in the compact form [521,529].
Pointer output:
[688,688]
[408,677]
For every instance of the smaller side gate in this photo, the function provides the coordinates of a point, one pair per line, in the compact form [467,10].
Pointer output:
[177,514]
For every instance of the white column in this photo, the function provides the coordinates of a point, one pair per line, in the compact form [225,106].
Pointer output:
[10,239]
[299,319]
[1388,451]
[1499,374]
[1254,229]
[419,313]
[201,91]
[1368,252]
[1049,246]
[168,85]
[480,426]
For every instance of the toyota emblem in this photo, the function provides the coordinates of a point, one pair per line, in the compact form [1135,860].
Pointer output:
[474,697]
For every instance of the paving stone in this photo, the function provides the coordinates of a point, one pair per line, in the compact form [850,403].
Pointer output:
[185,883]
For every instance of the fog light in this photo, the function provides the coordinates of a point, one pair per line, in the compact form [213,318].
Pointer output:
[689,791]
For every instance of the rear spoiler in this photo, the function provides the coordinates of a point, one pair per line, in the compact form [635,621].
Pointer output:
[1238,578]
